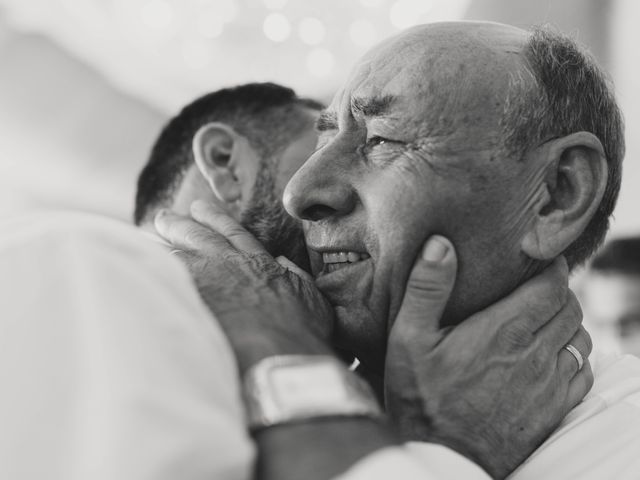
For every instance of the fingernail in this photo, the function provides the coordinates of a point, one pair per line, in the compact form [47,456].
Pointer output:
[435,250]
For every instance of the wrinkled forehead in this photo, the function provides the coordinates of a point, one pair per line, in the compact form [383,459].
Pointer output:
[442,72]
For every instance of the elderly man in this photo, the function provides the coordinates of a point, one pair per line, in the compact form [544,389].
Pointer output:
[508,143]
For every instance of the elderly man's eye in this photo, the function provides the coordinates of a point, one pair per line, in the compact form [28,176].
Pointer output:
[376,140]
[371,146]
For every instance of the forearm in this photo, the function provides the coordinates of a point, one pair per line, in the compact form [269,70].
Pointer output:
[316,448]
[320,449]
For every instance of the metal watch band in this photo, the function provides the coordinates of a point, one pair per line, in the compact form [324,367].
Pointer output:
[290,388]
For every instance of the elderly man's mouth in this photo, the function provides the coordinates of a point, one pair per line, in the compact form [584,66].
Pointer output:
[333,261]
[342,272]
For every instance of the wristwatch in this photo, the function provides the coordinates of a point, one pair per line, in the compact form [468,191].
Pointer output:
[290,388]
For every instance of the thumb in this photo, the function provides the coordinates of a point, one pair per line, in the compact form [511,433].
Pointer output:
[429,287]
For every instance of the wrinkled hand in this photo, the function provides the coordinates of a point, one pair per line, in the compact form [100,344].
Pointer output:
[266,307]
[494,387]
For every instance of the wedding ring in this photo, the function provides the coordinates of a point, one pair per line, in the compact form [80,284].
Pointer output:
[576,354]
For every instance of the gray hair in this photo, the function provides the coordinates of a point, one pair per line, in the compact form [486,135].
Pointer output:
[570,93]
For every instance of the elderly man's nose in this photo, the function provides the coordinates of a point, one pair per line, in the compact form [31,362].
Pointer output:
[309,196]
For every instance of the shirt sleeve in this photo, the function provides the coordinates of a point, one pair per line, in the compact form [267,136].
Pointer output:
[110,365]
[415,461]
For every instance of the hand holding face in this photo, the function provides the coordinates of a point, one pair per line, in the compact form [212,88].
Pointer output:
[495,386]
[266,307]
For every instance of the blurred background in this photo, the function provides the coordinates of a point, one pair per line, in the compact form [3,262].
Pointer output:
[85,85]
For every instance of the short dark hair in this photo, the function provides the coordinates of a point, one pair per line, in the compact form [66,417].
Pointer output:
[570,94]
[268,115]
[621,255]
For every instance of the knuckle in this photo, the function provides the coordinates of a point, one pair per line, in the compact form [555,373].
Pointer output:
[538,365]
[541,359]
[515,336]
[569,319]
[428,286]
[230,228]
[558,296]
[193,236]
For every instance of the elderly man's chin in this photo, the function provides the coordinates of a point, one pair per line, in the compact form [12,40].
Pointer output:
[361,317]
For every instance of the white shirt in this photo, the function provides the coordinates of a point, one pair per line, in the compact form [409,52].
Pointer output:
[111,367]
[600,438]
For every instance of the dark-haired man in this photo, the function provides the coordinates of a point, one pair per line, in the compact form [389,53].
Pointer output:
[236,147]
[507,142]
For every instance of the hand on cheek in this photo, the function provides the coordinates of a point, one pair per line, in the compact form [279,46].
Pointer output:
[478,387]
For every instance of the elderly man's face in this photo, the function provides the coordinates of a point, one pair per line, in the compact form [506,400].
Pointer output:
[411,147]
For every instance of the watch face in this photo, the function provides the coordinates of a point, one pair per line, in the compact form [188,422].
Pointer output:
[306,387]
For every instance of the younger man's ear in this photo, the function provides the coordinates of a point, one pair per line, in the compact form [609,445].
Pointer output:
[575,182]
[225,160]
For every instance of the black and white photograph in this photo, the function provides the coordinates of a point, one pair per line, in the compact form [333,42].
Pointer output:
[319,240]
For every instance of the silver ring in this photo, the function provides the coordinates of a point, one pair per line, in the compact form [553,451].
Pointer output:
[576,354]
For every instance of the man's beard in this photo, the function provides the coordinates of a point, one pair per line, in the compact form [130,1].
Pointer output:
[267,220]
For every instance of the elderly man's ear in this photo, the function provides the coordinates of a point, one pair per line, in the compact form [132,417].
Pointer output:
[227,161]
[575,181]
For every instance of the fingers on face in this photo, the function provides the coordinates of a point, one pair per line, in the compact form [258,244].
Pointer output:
[217,219]
[429,285]
[186,234]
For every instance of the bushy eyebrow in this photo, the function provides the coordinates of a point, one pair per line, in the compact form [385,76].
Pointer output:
[366,106]
[372,106]
[327,121]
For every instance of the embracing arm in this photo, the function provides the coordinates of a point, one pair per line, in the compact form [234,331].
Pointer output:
[324,447]
[314,448]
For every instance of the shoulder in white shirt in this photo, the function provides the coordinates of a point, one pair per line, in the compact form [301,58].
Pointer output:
[600,438]
[110,365]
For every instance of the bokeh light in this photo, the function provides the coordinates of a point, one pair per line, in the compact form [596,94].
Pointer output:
[276,27]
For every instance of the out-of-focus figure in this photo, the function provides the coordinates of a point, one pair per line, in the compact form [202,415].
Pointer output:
[611,296]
